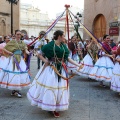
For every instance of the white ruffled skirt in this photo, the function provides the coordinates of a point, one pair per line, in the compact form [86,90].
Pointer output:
[102,70]
[72,67]
[115,82]
[86,66]
[49,93]
[12,78]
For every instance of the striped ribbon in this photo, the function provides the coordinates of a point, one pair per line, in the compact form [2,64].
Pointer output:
[92,36]
[66,71]
[17,64]
[80,37]
[27,65]
[103,67]
[49,29]
[8,71]
[93,66]
[28,62]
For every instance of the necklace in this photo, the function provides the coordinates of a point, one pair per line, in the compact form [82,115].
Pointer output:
[57,45]
[55,56]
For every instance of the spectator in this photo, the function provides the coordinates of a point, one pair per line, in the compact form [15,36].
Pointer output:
[112,44]
[1,41]
[39,44]
[13,37]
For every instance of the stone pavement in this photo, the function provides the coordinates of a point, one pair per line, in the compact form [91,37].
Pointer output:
[88,101]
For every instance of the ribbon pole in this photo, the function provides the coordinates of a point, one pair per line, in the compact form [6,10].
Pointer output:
[67,20]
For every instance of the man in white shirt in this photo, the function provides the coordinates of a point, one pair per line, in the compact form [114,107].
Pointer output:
[39,44]
[26,40]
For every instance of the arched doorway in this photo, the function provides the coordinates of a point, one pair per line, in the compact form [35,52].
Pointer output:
[99,26]
[24,31]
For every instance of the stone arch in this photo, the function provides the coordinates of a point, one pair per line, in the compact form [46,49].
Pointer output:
[99,26]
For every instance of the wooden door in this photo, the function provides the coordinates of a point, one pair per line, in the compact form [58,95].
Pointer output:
[99,26]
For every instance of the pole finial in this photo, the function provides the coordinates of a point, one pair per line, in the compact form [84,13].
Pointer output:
[67,6]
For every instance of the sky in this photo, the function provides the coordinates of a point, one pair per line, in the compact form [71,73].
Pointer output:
[52,7]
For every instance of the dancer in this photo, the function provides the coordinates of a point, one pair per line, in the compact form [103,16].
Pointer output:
[14,75]
[50,88]
[73,47]
[2,50]
[2,45]
[88,62]
[102,70]
[115,82]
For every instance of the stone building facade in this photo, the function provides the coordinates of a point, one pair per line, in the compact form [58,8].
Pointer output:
[32,21]
[5,17]
[99,14]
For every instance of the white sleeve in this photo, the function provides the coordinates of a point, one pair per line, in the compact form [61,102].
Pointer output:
[45,42]
[70,54]
[27,42]
[37,44]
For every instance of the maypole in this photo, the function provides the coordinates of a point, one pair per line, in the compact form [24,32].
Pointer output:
[67,20]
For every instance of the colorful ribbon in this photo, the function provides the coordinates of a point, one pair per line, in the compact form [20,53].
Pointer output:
[91,35]
[49,29]
[80,37]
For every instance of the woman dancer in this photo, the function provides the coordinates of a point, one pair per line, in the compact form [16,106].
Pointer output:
[2,50]
[115,82]
[73,47]
[14,75]
[50,89]
[88,62]
[102,70]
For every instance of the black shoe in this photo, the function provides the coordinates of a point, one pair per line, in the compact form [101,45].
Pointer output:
[38,67]
[104,86]
[16,93]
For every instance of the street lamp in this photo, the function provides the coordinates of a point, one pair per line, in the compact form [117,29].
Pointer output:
[77,25]
[79,15]
[15,3]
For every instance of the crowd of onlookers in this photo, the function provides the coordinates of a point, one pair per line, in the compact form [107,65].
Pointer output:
[113,44]
[80,45]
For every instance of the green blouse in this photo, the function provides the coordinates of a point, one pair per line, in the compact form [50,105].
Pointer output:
[50,49]
[14,45]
